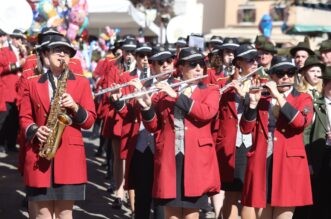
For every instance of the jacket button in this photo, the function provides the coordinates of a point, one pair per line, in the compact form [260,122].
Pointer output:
[186,128]
[275,138]
[38,105]
[136,120]
[45,115]
[283,130]
[230,117]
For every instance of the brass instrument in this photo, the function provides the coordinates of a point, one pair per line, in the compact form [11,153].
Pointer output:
[242,79]
[117,87]
[154,89]
[57,119]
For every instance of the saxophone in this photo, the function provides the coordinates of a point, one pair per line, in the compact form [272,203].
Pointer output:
[57,119]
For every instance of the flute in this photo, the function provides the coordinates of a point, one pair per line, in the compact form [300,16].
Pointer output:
[117,87]
[264,86]
[242,79]
[154,89]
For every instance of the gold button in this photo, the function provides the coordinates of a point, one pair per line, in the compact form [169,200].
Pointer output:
[186,128]
[45,115]
[283,130]
[136,120]
[230,117]
[275,138]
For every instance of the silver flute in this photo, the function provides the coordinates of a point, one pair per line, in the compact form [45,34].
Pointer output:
[242,79]
[263,86]
[154,89]
[119,86]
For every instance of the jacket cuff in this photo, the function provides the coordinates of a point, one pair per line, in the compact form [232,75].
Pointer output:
[184,103]
[289,112]
[118,105]
[31,131]
[81,116]
[250,114]
[148,115]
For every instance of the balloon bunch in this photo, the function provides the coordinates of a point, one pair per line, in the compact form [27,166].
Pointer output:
[69,16]
[108,37]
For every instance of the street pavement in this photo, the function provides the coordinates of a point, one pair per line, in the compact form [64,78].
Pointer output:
[98,203]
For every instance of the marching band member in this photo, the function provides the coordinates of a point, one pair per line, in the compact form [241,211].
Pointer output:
[185,163]
[136,139]
[232,145]
[277,176]
[53,185]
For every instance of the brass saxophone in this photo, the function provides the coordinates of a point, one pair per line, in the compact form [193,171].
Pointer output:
[57,119]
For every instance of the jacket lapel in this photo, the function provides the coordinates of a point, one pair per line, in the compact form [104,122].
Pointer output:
[43,91]
[71,85]
[320,112]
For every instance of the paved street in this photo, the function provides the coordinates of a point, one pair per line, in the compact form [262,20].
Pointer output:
[98,200]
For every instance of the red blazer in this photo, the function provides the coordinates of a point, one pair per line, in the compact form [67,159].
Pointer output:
[30,62]
[70,160]
[76,66]
[217,78]
[9,78]
[290,176]
[200,163]
[226,135]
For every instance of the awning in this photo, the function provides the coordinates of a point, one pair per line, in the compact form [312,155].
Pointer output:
[305,20]
[118,14]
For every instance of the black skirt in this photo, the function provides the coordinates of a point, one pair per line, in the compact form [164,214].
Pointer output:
[200,202]
[239,171]
[65,192]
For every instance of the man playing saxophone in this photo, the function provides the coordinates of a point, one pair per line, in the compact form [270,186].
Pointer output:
[56,180]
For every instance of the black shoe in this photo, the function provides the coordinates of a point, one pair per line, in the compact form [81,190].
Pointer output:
[117,203]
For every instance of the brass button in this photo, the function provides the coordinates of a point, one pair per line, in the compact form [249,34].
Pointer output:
[186,128]
[136,120]
[283,130]
[275,138]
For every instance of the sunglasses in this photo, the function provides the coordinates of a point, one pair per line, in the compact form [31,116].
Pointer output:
[169,61]
[194,64]
[142,55]
[65,50]
[281,73]
[250,60]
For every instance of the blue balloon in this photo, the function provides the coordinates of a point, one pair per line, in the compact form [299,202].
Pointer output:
[265,25]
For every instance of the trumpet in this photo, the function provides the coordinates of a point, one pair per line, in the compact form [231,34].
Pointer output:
[242,79]
[117,87]
[154,89]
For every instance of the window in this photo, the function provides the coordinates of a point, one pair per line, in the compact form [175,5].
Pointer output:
[278,12]
[246,14]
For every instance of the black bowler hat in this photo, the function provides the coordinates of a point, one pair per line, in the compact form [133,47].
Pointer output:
[143,48]
[326,74]
[230,43]
[57,41]
[302,46]
[246,52]
[312,61]
[18,34]
[44,37]
[267,46]
[189,54]
[2,33]
[160,53]
[282,63]
[217,40]
[129,44]
[181,42]
[325,46]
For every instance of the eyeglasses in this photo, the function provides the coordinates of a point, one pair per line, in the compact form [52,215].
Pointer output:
[65,50]
[281,73]
[169,61]
[194,64]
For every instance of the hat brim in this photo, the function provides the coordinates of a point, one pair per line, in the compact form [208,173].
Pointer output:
[280,68]
[297,48]
[272,51]
[161,57]
[72,50]
[143,51]
[304,68]
[229,47]
[248,56]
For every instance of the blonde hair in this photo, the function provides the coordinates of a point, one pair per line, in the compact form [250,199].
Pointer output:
[304,85]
